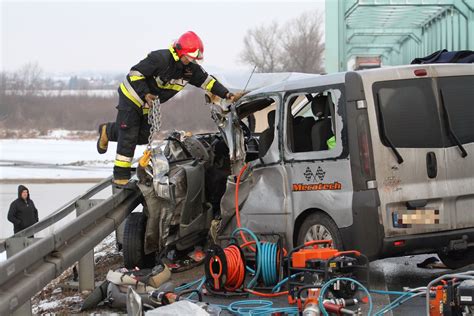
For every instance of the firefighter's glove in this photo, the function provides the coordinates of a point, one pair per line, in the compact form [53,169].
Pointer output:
[235,97]
[149,98]
[230,96]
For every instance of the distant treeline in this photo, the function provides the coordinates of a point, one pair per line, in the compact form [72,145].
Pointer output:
[24,106]
[187,111]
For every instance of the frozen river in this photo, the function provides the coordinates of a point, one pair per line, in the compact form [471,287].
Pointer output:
[54,170]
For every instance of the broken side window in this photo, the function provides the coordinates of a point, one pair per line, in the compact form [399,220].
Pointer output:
[311,125]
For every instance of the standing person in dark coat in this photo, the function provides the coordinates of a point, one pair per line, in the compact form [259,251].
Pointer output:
[23,212]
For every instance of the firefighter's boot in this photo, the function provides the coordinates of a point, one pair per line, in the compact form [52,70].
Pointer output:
[103,141]
[126,184]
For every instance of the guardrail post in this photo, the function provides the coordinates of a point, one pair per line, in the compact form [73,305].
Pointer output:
[121,228]
[86,263]
[13,246]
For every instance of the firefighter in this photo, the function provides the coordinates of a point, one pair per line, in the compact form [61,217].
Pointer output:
[161,75]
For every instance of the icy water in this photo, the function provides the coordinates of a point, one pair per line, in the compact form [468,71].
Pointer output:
[47,197]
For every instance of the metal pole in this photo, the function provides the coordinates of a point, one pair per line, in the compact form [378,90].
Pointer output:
[86,263]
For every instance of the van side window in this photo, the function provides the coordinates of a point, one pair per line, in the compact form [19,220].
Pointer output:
[458,95]
[407,113]
[311,123]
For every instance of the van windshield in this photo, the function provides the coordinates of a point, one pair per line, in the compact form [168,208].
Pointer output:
[458,95]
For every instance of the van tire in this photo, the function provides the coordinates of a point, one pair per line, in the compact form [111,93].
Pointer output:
[134,243]
[457,259]
[324,221]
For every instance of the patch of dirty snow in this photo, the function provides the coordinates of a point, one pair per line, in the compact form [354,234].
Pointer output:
[106,247]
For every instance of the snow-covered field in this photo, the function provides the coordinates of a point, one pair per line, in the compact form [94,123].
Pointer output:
[55,158]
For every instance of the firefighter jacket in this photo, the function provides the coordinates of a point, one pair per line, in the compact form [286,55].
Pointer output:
[162,73]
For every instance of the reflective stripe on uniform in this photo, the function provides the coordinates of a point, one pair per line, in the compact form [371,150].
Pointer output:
[130,93]
[123,164]
[208,83]
[173,84]
[175,87]
[135,78]
[135,75]
[123,161]
[123,158]
[173,52]
[146,110]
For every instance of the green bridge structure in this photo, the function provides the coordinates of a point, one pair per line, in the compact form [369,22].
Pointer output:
[396,31]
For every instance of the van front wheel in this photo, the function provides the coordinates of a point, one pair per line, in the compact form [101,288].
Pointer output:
[457,259]
[319,226]
[134,243]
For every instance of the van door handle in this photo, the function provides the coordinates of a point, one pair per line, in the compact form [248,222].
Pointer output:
[431,165]
[413,205]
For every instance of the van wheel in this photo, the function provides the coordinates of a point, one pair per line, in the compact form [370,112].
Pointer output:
[319,226]
[134,243]
[457,259]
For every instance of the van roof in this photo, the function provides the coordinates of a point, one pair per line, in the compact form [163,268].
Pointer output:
[322,80]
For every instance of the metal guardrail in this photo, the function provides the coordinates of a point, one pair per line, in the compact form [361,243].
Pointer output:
[60,213]
[29,270]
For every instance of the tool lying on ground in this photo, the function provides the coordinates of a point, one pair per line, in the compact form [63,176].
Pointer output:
[314,264]
[317,265]
[451,294]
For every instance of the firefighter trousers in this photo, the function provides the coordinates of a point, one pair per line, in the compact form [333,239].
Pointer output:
[130,129]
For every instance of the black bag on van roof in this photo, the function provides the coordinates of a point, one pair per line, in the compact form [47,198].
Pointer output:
[443,56]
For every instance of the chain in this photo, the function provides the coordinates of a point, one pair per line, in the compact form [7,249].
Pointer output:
[154,119]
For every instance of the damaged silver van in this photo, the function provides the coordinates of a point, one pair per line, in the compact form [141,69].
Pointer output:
[379,160]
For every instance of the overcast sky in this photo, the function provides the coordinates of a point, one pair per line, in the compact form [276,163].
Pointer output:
[78,36]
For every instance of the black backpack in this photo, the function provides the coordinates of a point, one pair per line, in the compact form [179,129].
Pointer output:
[443,56]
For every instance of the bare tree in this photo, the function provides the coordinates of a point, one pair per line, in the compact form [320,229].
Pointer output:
[262,48]
[3,82]
[302,44]
[296,46]
[28,79]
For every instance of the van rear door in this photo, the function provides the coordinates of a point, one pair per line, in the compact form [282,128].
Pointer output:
[409,154]
[456,93]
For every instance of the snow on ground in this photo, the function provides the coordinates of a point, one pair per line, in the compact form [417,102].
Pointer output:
[107,246]
[50,134]
[55,158]
[67,134]
[58,298]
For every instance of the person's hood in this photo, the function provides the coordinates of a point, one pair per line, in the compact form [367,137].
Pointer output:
[21,188]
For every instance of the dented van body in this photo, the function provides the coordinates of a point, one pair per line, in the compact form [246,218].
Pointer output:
[379,160]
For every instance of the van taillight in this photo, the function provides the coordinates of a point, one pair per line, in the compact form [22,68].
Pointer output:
[399,243]
[420,72]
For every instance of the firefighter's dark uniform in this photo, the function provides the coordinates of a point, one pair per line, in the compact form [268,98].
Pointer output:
[162,74]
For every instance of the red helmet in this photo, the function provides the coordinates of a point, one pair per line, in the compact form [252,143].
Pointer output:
[189,44]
